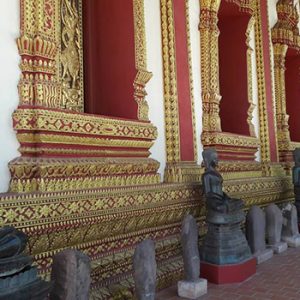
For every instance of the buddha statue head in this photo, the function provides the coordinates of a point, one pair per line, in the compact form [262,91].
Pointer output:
[210,158]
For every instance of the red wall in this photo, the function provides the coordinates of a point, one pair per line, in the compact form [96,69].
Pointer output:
[233,69]
[183,83]
[292,86]
[109,57]
[268,80]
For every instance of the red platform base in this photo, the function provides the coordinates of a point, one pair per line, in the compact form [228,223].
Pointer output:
[220,274]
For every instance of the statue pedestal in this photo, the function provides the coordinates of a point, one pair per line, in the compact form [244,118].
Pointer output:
[192,290]
[292,241]
[262,256]
[232,273]
[278,247]
[225,244]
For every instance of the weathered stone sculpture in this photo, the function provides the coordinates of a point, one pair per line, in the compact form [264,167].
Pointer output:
[192,287]
[290,232]
[18,279]
[71,276]
[256,234]
[225,242]
[274,226]
[144,266]
[296,180]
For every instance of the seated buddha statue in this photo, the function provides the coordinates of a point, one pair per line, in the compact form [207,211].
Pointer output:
[220,207]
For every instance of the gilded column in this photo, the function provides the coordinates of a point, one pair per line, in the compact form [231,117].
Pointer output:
[178,93]
[267,119]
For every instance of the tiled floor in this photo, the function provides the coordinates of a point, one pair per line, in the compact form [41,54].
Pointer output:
[276,279]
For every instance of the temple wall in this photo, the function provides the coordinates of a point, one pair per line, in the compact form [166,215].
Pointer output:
[9,77]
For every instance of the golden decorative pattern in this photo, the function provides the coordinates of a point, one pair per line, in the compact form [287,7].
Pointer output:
[212,135]
[53,78]
[45,175]
[170,82]
[176,171]
[71,56]
[68,122]
[285,35]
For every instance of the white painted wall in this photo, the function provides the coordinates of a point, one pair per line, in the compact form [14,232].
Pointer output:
[155,87]
[9,77]
[196,63]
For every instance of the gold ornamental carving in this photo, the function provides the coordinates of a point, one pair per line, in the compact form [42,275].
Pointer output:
[51,47]
[285,35]
[71,55]
[209,34]
[176,171]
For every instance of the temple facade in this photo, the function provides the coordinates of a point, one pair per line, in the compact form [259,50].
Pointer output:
[107,105]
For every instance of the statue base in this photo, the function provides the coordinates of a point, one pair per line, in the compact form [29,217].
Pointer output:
[292,241]
[278,247]
[192,290]
[262,256]
[225,244]
[233,273]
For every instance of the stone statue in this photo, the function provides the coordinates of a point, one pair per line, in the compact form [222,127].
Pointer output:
[192,287]
[189,242]
[144,267]
[18,279]
[274,227]
[296,180]
[290,231]
[256,234]
[219,205]
[224,242]
[71,276]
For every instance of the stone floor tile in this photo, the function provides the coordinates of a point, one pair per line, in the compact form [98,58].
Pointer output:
[276,279]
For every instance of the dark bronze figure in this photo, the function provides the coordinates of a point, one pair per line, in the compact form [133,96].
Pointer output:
[296,180]
[225,242]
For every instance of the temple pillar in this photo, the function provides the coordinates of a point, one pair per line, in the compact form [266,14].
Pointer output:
[286,47]
[178,93]
[268,138]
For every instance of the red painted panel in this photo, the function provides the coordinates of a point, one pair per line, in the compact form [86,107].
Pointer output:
[292,87]
[221,274]
[109,57]
[268,80]
[233,69]
[183,83]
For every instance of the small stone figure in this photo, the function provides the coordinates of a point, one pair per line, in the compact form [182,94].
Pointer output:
[192,287]
[274,226]
[144,266]
[296,180]
[224,242]
[71,275]
[18,279]
[256,234]
[290,232]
